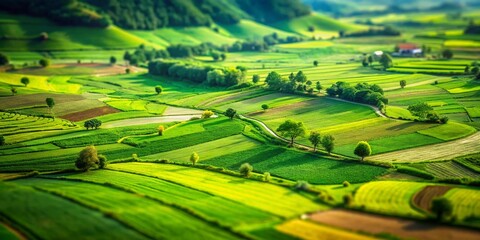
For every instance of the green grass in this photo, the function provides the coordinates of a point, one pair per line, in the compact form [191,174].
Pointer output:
[148,217]
[229,213]
[247,29]
[41,214]
[389,197]
[273,199]
[298,165]
[449,131]
[445,170]
[465,204]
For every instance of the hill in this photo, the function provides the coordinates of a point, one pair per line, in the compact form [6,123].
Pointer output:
[147,14]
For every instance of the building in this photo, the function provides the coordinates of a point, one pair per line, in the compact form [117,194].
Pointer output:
[408,50]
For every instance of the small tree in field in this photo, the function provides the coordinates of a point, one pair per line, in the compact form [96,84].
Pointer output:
[442,208]
[158,90]
[420,110]
[230,113]
[44,62]
[50,103]
[246,169]
[266,177]
[4,59]
[386,61]
[292,130]
[127,71]
[161,129]
[207,114]
[87,158]
[194,158]
[328,142]
[2,140]
[113,60]
[102,161]
[255,78]
[403,83]
[315,139]
[264,107]
[13,90]
[25,81]
[447,53]
[315,63]
[363,150]
[318,86]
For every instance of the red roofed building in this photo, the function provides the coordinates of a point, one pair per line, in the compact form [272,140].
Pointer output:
[408,49]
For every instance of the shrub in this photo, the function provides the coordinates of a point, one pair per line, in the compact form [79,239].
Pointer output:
[442,208]
[161,129]
[255,78]
[194,158]
[135,157]
[44,62]
[302,185]
[158,89]
[246,169]
[315,63]
[346,184]
[3,59]
[87,158]
[207,114]
[25,81]
[264,107]
[266,177]
[347,200]
[2,140]
[92,123]
[102,161]
[127,71]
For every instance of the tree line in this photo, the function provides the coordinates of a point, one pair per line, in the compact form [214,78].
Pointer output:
[294,83]
[361,93]
[199,74]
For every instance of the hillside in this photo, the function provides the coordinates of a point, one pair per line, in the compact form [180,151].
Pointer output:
[148,14]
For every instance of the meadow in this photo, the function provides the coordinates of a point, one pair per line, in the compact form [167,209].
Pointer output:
[153,188]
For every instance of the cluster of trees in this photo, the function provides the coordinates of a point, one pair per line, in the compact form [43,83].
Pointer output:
[295,83]
[472,28]
[64,12]
[141,55]
[386,31]
[362,93]
[385,60]
[199,74]
[89,158]
[425,113]
[92,123]
[273,39]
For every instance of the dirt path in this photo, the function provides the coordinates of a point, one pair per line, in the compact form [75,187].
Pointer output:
[377,111]
[423,199]
[374,224]
[14,231]
[440,151]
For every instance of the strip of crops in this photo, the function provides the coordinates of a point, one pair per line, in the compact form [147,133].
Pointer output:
[466,203]
[309,230]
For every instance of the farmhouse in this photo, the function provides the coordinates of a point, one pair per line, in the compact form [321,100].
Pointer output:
[407,50]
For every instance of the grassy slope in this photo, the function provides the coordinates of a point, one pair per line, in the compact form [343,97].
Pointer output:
[248,29]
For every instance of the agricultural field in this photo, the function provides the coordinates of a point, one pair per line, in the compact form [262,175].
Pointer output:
[236,119]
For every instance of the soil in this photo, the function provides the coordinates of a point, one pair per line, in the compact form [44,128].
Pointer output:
[90,113]
[423,199]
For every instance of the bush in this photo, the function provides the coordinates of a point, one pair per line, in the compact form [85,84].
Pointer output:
[302,185]
[194,158]
[2,140]
[3,59]
[161,129]
[346,184]
[87,158]
[44,62]
[442,208]
[127,71]
[347,200]
[92,123]
[264,107]
[102,161]
[246,169]
[207,114]
[266,177]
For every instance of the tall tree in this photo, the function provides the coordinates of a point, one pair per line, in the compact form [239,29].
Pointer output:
[315,138]
[50,103]
[403,83]
[194,158]
[25,81]
[328,142]
[292,130]
[230,113]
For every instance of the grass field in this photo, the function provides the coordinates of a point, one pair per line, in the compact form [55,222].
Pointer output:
[465,204]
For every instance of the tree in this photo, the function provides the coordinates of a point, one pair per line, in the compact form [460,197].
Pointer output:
[87,158]
[127,70]
[113,60]
[265,107]
[315,138]
[467,69]
[255,78]
[246,169]
[363,150]
[442,208]
[44,62]
[25,81]
[50,103]
[420,110]
[223,56]
[370,60]
[102,161]
[2,140]
[158,90]
[447,53]
[92,123]
[194,158]
[328,142]
[215,56]
[161,129]
[403,83]
[127,56]
[318,86]
[13,90]
[315,63]
[475,70]
[3,59]
[230,113]
[207,114]
[386,60]
[292,130]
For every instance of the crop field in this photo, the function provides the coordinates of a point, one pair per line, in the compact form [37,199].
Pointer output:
[156,119]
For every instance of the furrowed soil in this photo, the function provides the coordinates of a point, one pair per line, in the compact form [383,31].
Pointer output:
[423,199]
[90,113]
[369,223]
